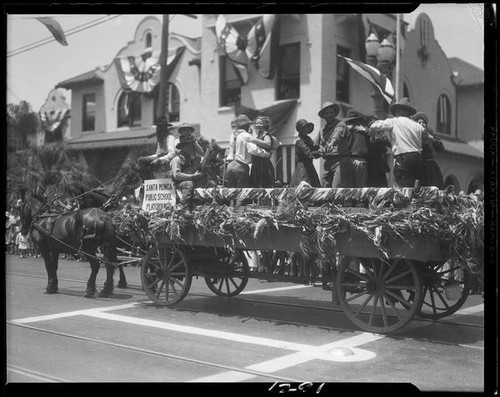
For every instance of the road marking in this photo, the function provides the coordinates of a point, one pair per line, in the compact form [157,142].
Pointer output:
[70,314]
[33,374]
[290,360]
[470,310]
[200,331]
[260,291]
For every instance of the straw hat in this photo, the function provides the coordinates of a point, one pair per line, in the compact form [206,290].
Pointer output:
[185,127]
[328,105]
[404,104]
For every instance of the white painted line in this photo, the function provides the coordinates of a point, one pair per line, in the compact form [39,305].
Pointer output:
[470,310]
[70,314]
[260,291]
[290,360]
[473,347]
[33,374]
[201,331]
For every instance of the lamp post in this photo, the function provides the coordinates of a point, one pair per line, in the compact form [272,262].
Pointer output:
[380,56]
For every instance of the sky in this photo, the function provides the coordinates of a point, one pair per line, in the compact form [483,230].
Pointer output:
[32,74]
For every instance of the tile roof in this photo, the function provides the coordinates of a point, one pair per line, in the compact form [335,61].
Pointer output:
[93,75]
[131,137]
[465,74]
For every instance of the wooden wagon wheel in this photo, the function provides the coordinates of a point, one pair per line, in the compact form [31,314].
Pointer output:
[377,295]
[165,275]
[235,274]
[446,287]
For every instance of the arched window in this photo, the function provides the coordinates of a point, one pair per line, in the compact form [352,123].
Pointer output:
[174,103]
[424,34]
[443,119]
[149,40]
[129,110]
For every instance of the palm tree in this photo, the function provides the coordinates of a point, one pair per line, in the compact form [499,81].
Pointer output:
[21,122]
[48,170]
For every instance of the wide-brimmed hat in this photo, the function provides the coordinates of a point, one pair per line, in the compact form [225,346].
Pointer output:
[354,115]
[405,104]
[327,105]
[302,123]
[162,121]
[185,126]
[242,120]
[420,116]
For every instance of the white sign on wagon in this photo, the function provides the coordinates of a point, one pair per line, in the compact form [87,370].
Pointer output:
[159,194]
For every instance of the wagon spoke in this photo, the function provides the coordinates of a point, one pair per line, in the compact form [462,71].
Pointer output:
[400,298]
[440,295]
[227,285]
[398,276]
[160,289]
[368,298]
[393,306]
[177,281]
[389,271]
[358,274]
[176,265]
[400,287]
[356,296]
[233,282]
[384,314]
[375,301]
[380,269]
[172,284]
[433,301]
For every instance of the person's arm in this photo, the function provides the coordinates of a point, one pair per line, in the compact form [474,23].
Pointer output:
[380,130]
[265,143]
[180,176]
[338,133]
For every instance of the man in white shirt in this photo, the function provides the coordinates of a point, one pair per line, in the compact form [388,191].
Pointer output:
[406,137]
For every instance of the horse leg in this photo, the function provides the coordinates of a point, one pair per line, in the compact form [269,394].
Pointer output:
[51,261]
[122,283]
[108,285]
[94,266]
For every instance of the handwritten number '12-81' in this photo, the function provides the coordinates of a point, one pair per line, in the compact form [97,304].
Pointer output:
[303,387]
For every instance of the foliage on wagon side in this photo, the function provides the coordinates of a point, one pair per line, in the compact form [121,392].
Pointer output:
[456,222]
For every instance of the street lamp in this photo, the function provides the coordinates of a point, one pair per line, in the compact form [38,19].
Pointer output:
[372,45]
[386,57]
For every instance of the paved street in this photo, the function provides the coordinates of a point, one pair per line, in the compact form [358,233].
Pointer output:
[272,332]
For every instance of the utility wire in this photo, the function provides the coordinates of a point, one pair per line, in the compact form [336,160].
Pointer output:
[51,38]
[70,32]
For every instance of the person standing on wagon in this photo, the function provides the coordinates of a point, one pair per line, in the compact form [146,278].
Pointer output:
[406,137]
[334,148]
[358,146]
[305,152]
[262,172]
[432,175]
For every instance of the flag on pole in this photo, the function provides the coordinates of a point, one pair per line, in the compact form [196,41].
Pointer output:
[260,41]
[142,73]
[374,76]
[233,46]
[54,28]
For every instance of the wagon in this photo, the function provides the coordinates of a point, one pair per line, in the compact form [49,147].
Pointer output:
[380,280]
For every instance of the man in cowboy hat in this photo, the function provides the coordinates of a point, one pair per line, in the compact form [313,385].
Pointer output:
[238,170]
[406,137]
[184,175]
[358,146]
[165,148]
[334,148]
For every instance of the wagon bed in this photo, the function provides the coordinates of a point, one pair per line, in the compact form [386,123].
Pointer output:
[381,280]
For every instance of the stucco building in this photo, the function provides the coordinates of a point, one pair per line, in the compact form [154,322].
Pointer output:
[206,91]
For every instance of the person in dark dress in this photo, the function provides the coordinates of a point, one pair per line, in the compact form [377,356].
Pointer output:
[431,173]
[305,152]
[262,172]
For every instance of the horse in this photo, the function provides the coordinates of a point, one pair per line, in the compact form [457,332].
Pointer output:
[79,231]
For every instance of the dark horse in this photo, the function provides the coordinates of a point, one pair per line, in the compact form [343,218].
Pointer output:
[79,231]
